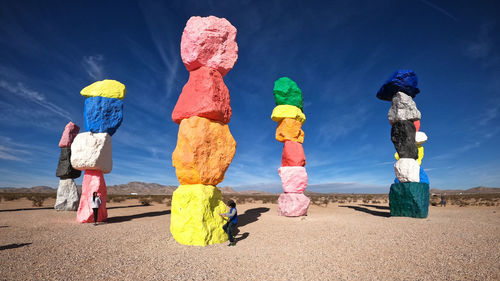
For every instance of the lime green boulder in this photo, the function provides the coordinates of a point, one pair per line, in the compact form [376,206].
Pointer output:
[409,199]
[287,92]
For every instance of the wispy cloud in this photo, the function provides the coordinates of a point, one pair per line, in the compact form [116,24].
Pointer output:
[30,95]
[93,66]
[10,150]
[439,9]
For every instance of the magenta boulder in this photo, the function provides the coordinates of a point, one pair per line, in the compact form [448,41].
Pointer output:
[69,134]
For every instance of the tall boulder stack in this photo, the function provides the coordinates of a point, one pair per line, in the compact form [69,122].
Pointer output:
[67,194]
[288,113]
[409,195]
[92,150]
[205,146]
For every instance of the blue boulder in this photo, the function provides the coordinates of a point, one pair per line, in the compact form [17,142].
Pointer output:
[103,115]
[401,81]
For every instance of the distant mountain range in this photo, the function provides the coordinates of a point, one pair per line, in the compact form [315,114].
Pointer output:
[142,188]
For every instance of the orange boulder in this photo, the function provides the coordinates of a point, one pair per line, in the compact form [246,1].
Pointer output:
[204,151]
[289,130]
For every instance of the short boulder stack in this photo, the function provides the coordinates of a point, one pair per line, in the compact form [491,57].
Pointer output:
[67,194]
[409,195]
[205,146]
[91,151]
[288,113]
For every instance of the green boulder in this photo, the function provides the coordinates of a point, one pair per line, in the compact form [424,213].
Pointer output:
[409,199]
[287,92]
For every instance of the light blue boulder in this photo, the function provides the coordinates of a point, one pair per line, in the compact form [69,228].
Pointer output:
[103,115]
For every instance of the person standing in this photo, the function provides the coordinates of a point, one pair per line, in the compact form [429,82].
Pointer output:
[443,200]
[95,203]
[232,216]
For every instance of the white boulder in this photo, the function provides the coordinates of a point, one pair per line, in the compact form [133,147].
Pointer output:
[403,108]
[92,151]
[407,170]
[67,196]
[420,137]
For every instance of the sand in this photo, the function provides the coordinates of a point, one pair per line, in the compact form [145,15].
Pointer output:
[338,242]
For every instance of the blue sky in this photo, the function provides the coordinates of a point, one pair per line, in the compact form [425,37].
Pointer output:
[339,53]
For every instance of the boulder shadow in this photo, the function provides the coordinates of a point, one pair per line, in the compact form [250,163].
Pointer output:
[27,209]
[14,246]
[250,216]
[368,211]
[377,206]
[136,216]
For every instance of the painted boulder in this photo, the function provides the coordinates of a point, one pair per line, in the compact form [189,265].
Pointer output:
[204,151]
[69,134]
[209,41]
[195,218]
[204,95]
[286,91]
[403,80]
[293,179]
[64,168]
[105,88]
[407,170]
[293,204]
[293,154]
[67,196]
[103,115]
[91,151]
[289,130]
[281,112]
[93,181]
[409,199]
[403,138]
[403,108]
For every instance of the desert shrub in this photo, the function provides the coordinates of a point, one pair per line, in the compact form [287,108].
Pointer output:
[158,198]
[168,202]
[11,196]
[145,201]
[37,200]
[375,202]
[118,199]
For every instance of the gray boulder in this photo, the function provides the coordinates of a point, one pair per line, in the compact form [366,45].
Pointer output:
[64,168]
[67,196]
[403,108]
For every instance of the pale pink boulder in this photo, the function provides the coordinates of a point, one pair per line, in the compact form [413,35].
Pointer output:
[69,134]
[93,181]
[293,179]
[293,204]
[209,41]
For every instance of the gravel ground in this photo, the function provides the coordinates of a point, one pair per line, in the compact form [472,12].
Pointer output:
[338,242]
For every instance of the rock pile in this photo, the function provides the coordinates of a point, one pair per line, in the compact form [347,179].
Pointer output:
[205,146]
[409,195]
[67,193]
[288,114]
[91,151]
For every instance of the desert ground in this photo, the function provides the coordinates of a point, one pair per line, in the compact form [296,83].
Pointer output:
[342,241]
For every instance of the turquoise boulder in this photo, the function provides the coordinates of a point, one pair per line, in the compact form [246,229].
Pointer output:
[409,199]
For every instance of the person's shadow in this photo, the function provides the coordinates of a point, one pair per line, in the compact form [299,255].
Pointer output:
[248,217]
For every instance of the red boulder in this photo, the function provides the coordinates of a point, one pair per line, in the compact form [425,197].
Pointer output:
[293,154]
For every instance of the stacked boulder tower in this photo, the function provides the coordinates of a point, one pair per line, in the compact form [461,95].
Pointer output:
[409,195]
[205,146]
[91,151]
[67,192]
[290,117]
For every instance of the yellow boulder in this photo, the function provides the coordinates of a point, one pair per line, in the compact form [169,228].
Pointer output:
[195,216]
[420,154]
[105,88]
[289,130]
[287,111]
[204,150]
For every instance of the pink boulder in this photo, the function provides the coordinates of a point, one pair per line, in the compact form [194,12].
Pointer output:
[293,154]
[293,179]
[204,95]
[93,181]
[209,41]
[69,134]
[293,204]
